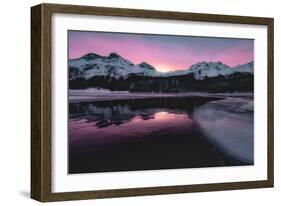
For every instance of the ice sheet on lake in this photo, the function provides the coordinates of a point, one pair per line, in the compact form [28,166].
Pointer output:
[229,125]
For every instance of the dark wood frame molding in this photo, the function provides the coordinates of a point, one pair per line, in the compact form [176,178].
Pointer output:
[41,101]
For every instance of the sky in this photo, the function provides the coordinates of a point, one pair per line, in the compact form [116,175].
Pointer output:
[164,52]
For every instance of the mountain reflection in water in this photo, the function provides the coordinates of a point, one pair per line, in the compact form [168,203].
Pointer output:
[143,134]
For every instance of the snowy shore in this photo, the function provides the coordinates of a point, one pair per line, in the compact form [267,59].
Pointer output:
[103,95]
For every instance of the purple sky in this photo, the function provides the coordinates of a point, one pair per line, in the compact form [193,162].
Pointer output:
[165,53]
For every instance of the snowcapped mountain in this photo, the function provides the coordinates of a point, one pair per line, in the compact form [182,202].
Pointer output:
[245,68]
[204,70]
[113,72]
[114,65]
[213,69]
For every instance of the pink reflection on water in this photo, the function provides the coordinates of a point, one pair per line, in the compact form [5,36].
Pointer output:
[82,131]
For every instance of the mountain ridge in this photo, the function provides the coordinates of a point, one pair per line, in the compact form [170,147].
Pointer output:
[114,64]
[115,72]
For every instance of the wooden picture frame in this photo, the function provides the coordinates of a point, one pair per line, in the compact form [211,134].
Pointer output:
[41,95]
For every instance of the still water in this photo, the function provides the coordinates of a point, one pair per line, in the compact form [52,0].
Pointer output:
[156,133]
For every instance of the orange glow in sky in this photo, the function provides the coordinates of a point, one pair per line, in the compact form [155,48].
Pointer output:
[163,68]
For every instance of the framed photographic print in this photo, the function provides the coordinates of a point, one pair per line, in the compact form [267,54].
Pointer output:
[130,102]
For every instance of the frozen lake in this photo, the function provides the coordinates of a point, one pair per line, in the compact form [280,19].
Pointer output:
[122,131]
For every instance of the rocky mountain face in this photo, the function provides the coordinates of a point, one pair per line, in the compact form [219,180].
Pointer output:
[116,73]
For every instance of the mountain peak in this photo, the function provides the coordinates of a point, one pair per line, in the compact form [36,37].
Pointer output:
[146,65]
[91,56]
[208,65]
[113,55]
[251,63]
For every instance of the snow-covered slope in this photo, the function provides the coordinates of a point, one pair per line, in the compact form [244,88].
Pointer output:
[245,68]
[211,69]
[202,70]
[114,65]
